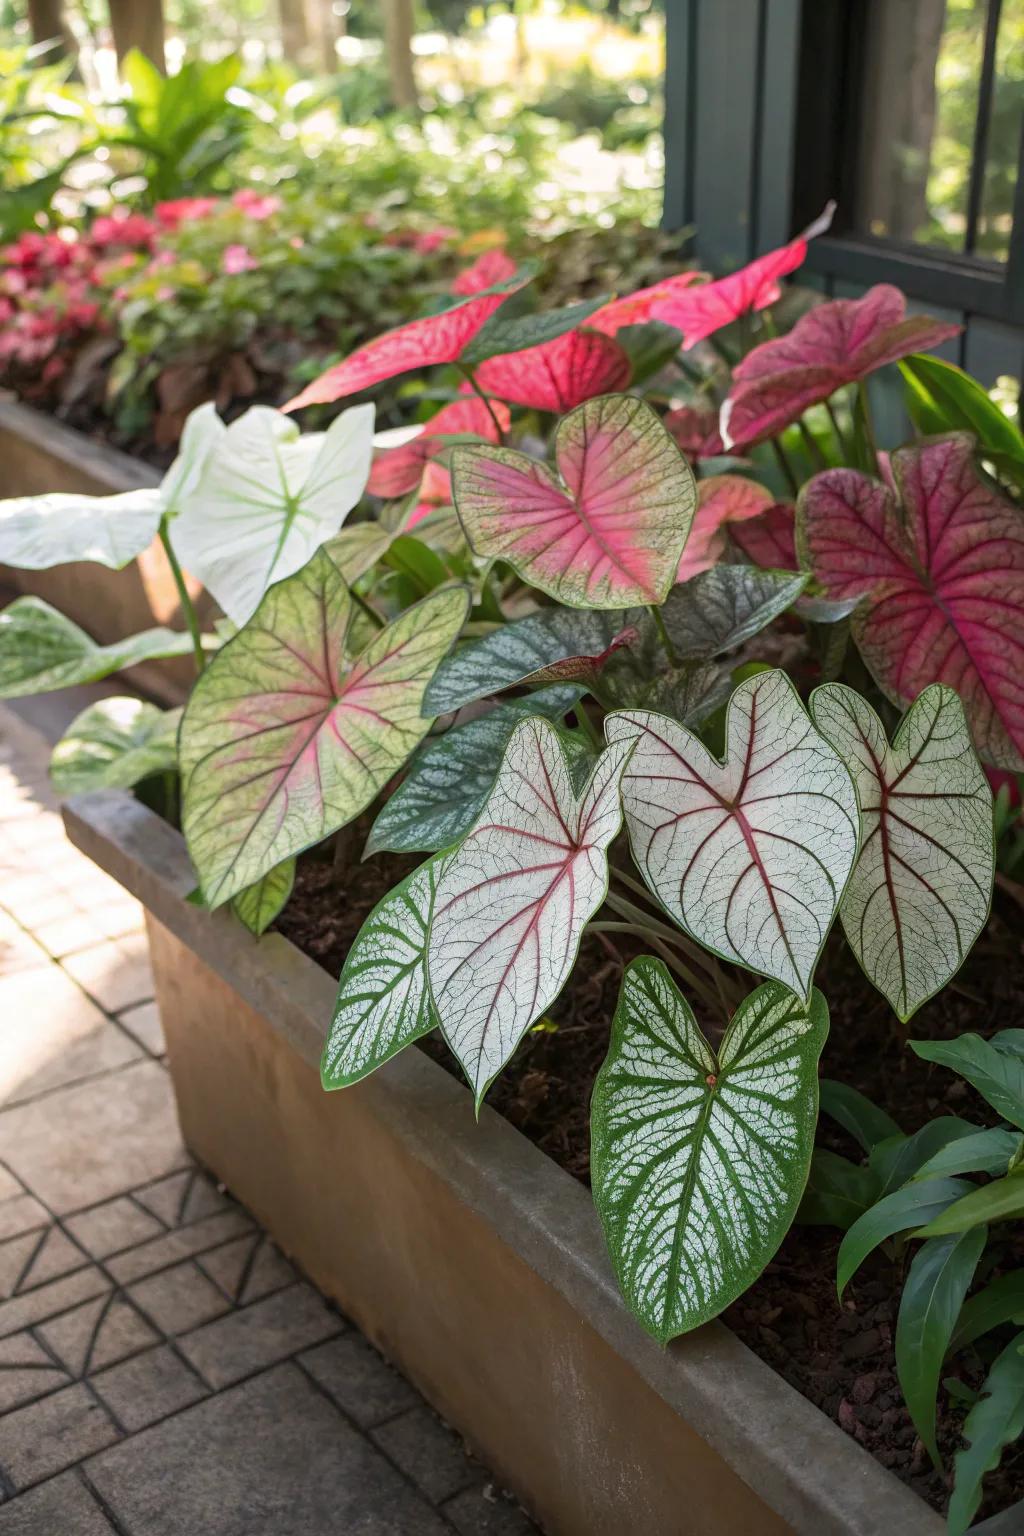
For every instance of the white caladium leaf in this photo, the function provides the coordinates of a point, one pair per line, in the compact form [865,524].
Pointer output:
[114,744]
[383,998]
[719,609]
[201,434]
[751,855]
[512,904]
[267,498]
[41,650]
[699,1161]
[282,741]
[259,904]
[449,779]
[922,885]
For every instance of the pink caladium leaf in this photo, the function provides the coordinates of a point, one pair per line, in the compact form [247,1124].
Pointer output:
[608,530]
[512,903]
[283,741]
[397,471]
[695,431]
[558,375]
[492,267]
[940,571]
[636,308]
[721,500]
[769,540]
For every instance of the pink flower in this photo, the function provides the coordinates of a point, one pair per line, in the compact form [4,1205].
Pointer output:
[129,229]
[236,259]
[256,205]
[182,209]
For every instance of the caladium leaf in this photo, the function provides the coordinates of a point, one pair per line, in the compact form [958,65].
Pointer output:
[281,743]
[694,429]
[493,266]
[751,855]
[41,650]
[267,498]
[560,374]
[397,471]
[449,779]
[37,532]
[922,885]
[357,548]
[114,744]
[699,1160]
[508,332]
[259,904]
[609,529]
[769,540]
[726,606]
[995,1422]
[941,574]
[635,309]
[383,999]
[512,904]
[721,500]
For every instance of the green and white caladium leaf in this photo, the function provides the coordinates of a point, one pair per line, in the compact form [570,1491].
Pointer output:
[282,742]
[267,498]
[699,1160]
[449,779]
[719,609]
[383,998]
[922,885]
[259,904]
[356,549]
[115,744]
[750,855]
[512,904]
[41,650]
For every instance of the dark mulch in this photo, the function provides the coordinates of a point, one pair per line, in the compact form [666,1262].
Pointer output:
[840,1356]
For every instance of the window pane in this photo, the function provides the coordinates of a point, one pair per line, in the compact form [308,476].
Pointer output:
[996,213]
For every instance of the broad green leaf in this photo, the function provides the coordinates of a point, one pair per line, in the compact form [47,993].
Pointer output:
[357,548]
[1002,1200]
[688,694]
[981,1152]
[851,1109]
[1011,1040]
[1001,1301]
[994,1423]
[899,1212]
[997,1075]
[933,1294]
[39,531]
[922,886]
[899,1158]
[719,609]
[41,650]
[750,855]
[383,1000]
[506,332]
[837,1192]
[512,904]
[943,398]
[450,778]
[699,1161]
[113,745]
[282,743]
[259,904]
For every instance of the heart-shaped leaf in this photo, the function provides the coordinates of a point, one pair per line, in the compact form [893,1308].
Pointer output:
[114,744]
[357,548]
[512,904]
[634,309]
[750,855]
[722,608]
[699,1161]
[769,540]
[941,572]
[922,885]
[721,500]
[282,743]
[259,904]
[559,375]
[41,650]
[39,531]
[507,333]
[608,530]
[397,471]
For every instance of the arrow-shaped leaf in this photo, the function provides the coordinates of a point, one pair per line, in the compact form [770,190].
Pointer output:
[39,531]
[512,905]
[699,1161]
[750,855]
[114,744]
[41,650]
[921,889]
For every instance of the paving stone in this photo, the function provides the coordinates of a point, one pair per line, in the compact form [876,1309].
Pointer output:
[52,1434]
[18,949]
[249,1268]
[269,1458]
[143,1022]
[81,1145]
[486,1512]
[9,1186]
[108,1228]
[149,1387]
[26,1372]
[185,1243]
[22,1213]
[55,1255]
[428,1453]
[179,1299]
[116,973]
[98,1333]
[74,930]
[362,1384]
[34,899]
[63,1507]
[51,1300]
[52,1034]
[259,1335]
[182,1198]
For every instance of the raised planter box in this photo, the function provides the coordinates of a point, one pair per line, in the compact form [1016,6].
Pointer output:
[469,1257]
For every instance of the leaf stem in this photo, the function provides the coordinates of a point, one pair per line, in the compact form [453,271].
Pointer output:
[663,635]
[367,608]
[869,425]
[475,387]
[810,442]
[837,429]
[185,602]
[786,467]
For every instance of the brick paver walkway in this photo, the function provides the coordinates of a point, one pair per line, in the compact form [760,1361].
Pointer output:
[163,1369]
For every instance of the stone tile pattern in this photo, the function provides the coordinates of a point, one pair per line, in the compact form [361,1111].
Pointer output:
[163,1367]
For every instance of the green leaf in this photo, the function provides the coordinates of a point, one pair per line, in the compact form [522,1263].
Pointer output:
[356,549]
[1011,1040]
[383,999]
[259,904]
[904,1208]
[997,1075]
[113,745]
[897,1159]
[838,1191]
[983,1152]
[699,1162]
[1002,1200]
[450,778]
[649,347]
[41,650]
[37,532]
[934,1292]
[995,1422]
[416,560]
[851,1109]
[1001,1301]
[515,333]
[943,398]
[719,609]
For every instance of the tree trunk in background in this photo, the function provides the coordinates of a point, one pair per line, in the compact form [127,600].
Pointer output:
[325,27]
[46,20]
[398,42]
[139,24]
[294,31]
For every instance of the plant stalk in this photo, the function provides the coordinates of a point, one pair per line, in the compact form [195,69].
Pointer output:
[185,602]
[475,387]
[663,635]
[786,467]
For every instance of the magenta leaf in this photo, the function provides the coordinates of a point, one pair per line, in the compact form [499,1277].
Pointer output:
[695,431]
[721,500]
[608,530]
[770,539]
[492,267]
[636,308]
[397,471]
[558,375]
[941,575]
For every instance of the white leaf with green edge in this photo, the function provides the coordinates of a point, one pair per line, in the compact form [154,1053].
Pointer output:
[201,434]
[259,904]
[751,855]
[450,778]
[41,650]
[997,1075]
[995,1423]
[113,745]
[37,532]
[699,1160]
[282,741]
[512,904]
[922,886]
[267,498]
[358,547]
[383,999]
[719,609]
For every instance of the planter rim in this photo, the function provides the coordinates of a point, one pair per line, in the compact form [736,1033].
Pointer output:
[799,1462]
[112,468]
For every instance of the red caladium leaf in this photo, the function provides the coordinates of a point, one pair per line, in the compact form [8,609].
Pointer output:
[492,267]
[558,375]
[397,471]
[834,344]
[435,491]
[769,540]
[941,575]
[608,530]
[721,499]
[636,308]
[695,431]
